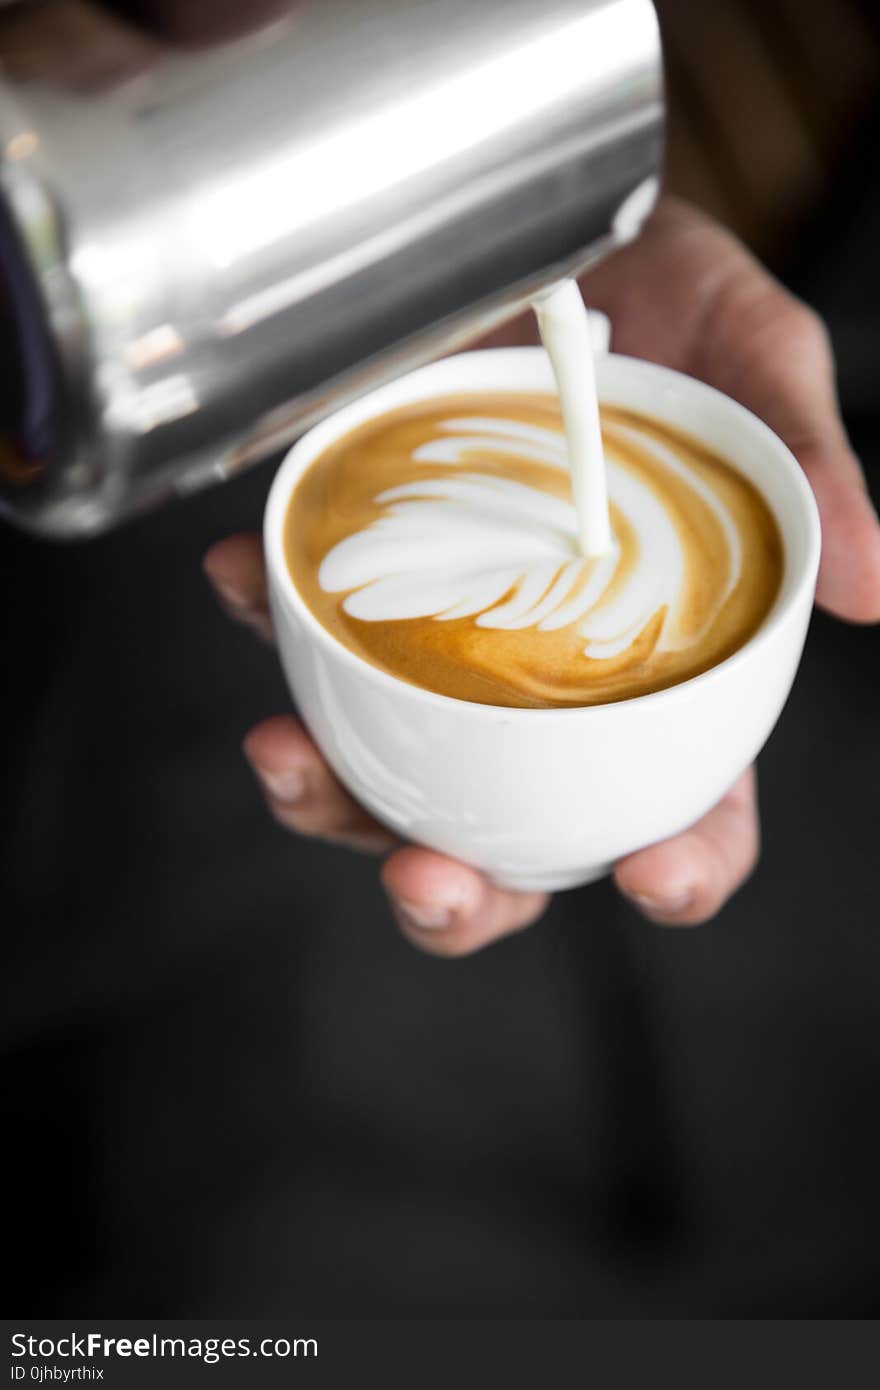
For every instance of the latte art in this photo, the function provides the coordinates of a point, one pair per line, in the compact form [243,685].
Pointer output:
[506,552]
[441,543]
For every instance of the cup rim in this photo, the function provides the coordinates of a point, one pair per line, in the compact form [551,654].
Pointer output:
[335,426]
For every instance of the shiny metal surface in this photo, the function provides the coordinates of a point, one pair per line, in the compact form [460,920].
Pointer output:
[222,221]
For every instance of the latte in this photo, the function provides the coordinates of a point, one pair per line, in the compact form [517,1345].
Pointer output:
[440,543]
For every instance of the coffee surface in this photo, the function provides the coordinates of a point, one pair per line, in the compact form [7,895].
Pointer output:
[440,544]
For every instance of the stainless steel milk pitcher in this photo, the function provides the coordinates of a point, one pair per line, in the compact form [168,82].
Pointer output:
[220,221]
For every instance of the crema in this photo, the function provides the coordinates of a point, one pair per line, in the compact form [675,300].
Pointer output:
[440,543]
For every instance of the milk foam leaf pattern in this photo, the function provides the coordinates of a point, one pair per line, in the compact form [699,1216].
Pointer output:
[440,543]
[505,552]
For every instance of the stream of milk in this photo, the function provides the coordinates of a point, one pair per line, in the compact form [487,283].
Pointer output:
[564,325]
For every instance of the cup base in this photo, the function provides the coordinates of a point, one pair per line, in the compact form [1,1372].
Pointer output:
[552,882]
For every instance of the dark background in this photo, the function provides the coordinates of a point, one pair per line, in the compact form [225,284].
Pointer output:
[231,1089]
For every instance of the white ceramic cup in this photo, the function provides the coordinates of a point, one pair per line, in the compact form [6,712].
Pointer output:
[550,798]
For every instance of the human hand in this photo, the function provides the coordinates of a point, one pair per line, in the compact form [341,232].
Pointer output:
[687,295]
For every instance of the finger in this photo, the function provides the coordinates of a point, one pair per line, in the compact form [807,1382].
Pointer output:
[774,355]
[687,294]
[849,571]
[301,791]
[687,879]
[236,569]
[448,908]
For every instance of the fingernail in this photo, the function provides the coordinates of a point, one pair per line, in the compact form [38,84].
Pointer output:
[664,906]
[219,582]
[288,786]
[425,916]
[228,593]
[231,597]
